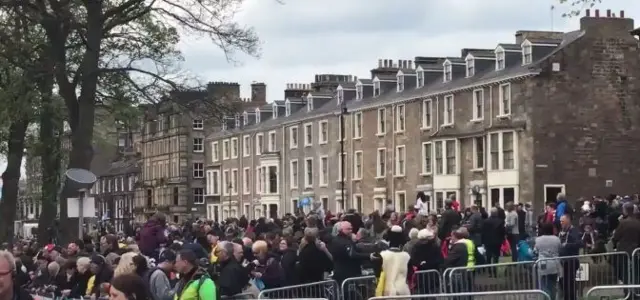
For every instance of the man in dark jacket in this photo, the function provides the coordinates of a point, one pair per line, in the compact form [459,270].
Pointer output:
[448,220]
[153,235]
[346,259]
[626,238]
[232,277]
[571,244]
[493,234]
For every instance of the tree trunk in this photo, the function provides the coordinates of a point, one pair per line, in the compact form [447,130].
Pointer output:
[11,177]
[50,152]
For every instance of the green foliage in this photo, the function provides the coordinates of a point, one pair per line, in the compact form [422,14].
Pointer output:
[577,6]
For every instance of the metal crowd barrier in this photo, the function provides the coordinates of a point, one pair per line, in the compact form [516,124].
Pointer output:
[489,278]
[606,291]
[241,296]
[327,289]
[496,295]
[428,282]
[363,287]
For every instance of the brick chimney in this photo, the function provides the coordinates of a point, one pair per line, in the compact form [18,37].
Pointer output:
[609,25]
[220,90]
[259,92]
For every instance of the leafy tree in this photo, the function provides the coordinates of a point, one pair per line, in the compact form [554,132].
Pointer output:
[110,52]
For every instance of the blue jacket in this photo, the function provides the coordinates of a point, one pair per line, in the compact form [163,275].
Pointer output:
[561,209]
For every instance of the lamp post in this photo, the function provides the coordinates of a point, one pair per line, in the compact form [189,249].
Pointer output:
[230,192]
[343,113]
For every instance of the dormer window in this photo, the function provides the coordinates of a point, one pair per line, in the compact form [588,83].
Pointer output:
[245,118]
[274,112]
[471,65]
[419,77]
[448,75]
[500,59]
[257,115]
[237,119]
[527,51]
[359,91]
[309,103]
[400,80]
[340,94]
[287,109]
[224,123]
[376,87]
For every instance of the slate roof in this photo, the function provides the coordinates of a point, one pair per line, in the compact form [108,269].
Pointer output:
[512,47]
[122,167]
[392,97]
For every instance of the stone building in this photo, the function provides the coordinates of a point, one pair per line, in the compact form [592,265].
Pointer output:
[544,113]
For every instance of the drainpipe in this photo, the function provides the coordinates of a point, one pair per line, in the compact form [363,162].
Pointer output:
[393,156]
[281,174]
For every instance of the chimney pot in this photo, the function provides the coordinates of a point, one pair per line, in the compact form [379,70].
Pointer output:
[613,15]
[587,12]
[411,64]
[608,13]
[622,14]
[379,63]
[355,78]
[597,13]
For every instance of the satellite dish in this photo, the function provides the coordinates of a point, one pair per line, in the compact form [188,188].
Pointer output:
[81,178]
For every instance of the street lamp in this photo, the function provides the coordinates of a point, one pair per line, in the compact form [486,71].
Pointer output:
[343,113]
[230,191]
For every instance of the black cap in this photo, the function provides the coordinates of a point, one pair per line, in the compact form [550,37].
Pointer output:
[167,256]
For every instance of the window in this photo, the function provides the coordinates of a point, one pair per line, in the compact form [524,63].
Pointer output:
[342,164]
[176,196]
[357,126]
[234,181]
[213,182]
[215,154]
[325,202]
[257,115]
[339,205]
[198,170]
[478,153]
[293,137]
[272,141]
[376,87]
[309,103]
[451,156]
[273,179]
[448,110]
[324,171]
[500,59]
[246,146]
[420,77]
[447,71]
[471,66]
[401,201]
[259,143]
[381,163]
[308,173]
[323,132]
[382,121]
[400,160]
[357,165]
[245,118]
[198,196]
[427,158]
[527,51]
[308,135]
[237,121]
[399,112]
[501,149]
[340,94]
[357,202]
[293,171]
[287,109]
[226,184]
[427,113]
[442,195]
[234,148]
[246,181]
[505,100]
[478,104]
[198,124]
[400,80]
[225,149]
[294,205]
[274,111]
[359,93]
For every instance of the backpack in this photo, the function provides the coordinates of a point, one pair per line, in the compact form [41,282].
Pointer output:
[568,209]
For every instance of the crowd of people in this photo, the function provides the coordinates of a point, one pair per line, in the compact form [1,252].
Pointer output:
[204,259]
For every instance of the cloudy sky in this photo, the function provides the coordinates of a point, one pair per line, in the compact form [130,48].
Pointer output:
[306,37]
[301,38]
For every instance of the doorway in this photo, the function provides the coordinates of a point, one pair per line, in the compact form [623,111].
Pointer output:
[551,192]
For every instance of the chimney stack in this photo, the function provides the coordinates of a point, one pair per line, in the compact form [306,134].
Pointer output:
[622,14]
[608,13]
[379,63]
[587,13]
[597,13]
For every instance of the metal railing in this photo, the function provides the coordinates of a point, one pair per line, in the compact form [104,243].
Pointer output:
[494,295]
[607,291]
[428,282]
[489,278]
[327,289]
[355,288]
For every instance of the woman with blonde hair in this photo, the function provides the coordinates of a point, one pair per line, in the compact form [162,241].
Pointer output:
[126,264]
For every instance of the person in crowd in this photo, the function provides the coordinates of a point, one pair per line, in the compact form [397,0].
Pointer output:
[561,208]
[109,244]
[8,289]
[626,238]
[102,273]
[427,256]
[513,232]
[83,264]
[392,280]
[314,258]
[522,222]
[547,247]
[153,235]
[232,278]
[493,234]
[67,282]
[346,259]
[475,225]
[128,287]
[462,254]
[448,220]
[268,268]
[413,239]
[125,265]
[571,244]
[288,258]
[194,283]
[158,279]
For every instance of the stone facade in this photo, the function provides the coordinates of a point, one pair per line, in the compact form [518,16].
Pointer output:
[548,113]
